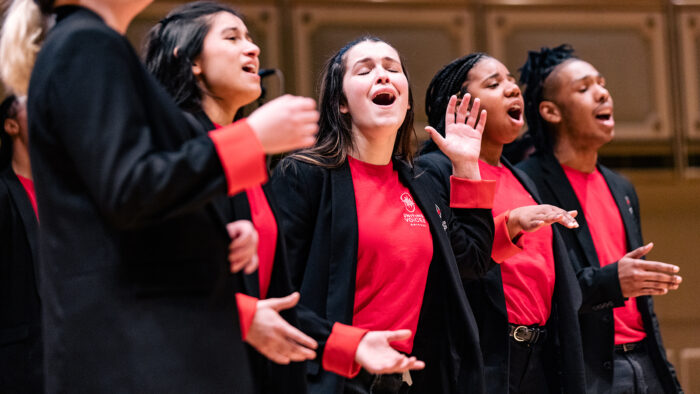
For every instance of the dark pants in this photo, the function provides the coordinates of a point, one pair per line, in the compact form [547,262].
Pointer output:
[527,373]
[634,373]
[367,383]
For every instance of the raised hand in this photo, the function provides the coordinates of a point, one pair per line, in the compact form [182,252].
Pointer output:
[285,123]
[376,355]
[533,217]
[243,249]
[640,277]
[276,339]
[462,140]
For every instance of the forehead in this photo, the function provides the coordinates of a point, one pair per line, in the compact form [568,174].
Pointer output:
[370,49]
[574,70]
[486,67]
[225,20]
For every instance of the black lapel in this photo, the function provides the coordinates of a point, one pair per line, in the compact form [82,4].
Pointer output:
[241,211]
[26,212]
[558,184]
[624,205]
[343,246]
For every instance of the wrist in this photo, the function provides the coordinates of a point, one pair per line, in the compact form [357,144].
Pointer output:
[466,171]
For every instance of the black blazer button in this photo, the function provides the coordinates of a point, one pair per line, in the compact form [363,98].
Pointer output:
[607,365]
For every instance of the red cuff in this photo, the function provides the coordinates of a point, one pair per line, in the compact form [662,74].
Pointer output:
[466,193]
[241,156]
[247,306]
[503,246]
[339,354]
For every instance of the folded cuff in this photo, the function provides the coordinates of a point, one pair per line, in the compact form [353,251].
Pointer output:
[339,353]
[467,193]
[247,306]
[241,156]
[503,246]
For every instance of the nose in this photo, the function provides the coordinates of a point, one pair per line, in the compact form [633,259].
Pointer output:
[252,49]
[602,94]
[512,89]
[382,75]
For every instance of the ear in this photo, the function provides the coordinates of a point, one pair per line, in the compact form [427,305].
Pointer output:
[196,66]
[344,109]
[11,127]
[550,112]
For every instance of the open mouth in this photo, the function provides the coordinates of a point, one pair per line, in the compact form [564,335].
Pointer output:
[515,113]
[603,117]
[384,98]
[249,68]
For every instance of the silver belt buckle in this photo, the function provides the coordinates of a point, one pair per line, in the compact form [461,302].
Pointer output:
[520,329]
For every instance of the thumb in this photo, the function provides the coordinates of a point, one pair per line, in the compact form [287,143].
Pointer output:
[573,213]
[640,251]
[397,335]
[280,304]
[436,137]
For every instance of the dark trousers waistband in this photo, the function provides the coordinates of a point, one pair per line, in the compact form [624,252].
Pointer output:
[630,347]
[527,335]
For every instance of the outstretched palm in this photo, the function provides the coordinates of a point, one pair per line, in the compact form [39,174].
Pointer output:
[462,140]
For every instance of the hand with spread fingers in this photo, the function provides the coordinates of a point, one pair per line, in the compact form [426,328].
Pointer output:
[533,217]
[462,141]
[276,339]
[243,249]
[640,277]
[375,354]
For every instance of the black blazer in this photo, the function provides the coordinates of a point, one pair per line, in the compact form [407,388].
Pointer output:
[137,294]
[487,299]
[600,286]
[318,213]
[21,368]
[268,377]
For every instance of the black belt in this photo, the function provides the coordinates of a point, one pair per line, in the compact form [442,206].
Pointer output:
[528,335]
[629,347]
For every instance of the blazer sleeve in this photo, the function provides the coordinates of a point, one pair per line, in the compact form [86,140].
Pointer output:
[297,189]
[129,144]
[471,229]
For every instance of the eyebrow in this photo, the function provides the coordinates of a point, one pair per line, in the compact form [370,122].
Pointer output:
[369,59]
[234,30]
[496,74]
[589,76]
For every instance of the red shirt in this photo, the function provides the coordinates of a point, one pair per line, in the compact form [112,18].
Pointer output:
[393,252]
[28,185]
[608,233]
[528,276]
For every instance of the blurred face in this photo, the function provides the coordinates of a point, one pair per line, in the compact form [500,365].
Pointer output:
[228,66]
[16,126]
[493,84]
[375,87]
[585,106]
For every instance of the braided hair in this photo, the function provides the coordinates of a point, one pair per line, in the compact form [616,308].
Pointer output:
[448,81]
[533,74]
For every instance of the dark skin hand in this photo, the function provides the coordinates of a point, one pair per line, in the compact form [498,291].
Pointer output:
[640,277]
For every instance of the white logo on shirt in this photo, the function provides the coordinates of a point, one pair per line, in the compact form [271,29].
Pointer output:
[407,200]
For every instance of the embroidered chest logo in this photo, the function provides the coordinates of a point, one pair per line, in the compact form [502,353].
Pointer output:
[413,219]
[407,200]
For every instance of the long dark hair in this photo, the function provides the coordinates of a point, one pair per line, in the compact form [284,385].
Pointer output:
[447,82]
[184,29]
[8,110]
[533,74]
[334,137]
